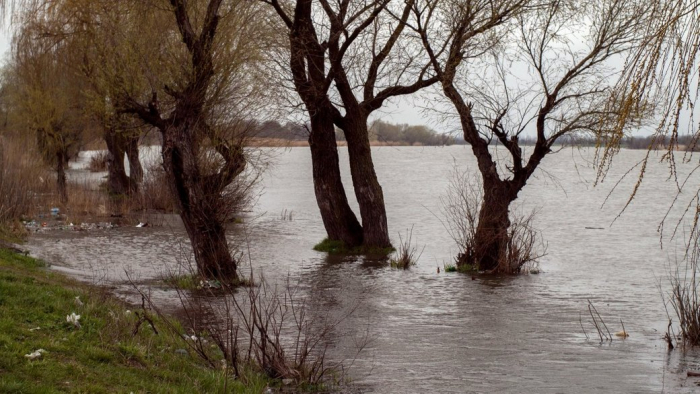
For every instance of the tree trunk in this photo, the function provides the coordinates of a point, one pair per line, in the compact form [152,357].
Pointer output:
[198,208]
[338,218]
[135,168]
[368,191]
[61,164]
[492,233]
[117,180]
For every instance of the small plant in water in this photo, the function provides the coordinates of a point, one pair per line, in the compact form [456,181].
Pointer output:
[450,268]
[406,256]
[684,296]
[464,268]
[287,215]
[331,246]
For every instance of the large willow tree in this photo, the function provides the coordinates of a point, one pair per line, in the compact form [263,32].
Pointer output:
[46,99]
[188,69]
[662,77]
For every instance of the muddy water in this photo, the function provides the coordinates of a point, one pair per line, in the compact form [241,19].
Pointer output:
[449,332]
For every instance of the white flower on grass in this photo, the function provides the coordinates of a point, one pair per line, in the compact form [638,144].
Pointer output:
[73,319]
[35,354]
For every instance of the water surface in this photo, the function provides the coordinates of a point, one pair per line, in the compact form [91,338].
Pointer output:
[437,332]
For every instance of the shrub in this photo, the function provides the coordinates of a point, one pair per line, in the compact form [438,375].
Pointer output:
[407,254]
[684,296]
[21,179]
[98,162]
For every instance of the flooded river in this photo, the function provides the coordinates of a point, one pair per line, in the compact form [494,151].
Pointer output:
[438,332]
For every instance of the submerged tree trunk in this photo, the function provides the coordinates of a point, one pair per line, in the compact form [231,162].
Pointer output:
[61,164]
[135,167]
[198,203]
[117,180]
[492,235]
[308,67]
[368,191]
[338,218]
[118,145]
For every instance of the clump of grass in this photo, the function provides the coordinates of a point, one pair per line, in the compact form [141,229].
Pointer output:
[463,269]
[183,282]
[111,352]
[407,255]
[197,282]
[449,268]
[338,247]
[684,296]
[331,246]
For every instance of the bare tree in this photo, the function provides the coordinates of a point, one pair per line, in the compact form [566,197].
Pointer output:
[362,48]
[482,61]
[312,81]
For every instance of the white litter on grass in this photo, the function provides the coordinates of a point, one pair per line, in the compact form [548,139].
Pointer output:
[73,319]
[78,302]
[193,338]
[35,354]
[34,329]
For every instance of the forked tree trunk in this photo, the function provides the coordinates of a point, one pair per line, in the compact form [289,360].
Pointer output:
[61,164]
[368,191]
[198,208]
[338,218]
[308,66]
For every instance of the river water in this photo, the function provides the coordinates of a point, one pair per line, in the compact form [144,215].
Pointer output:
[438,332]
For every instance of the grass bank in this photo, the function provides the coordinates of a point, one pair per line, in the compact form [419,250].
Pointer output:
[109,353]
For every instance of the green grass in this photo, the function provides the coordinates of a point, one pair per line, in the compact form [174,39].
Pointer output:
[103,356]
[194,282]
[184,282]
[338,247]
[464,269]
[450,268]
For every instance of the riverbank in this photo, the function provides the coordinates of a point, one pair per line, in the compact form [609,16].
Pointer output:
[104,350]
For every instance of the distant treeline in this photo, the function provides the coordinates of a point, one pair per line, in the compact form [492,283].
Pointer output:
[684,142]
[379,131]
